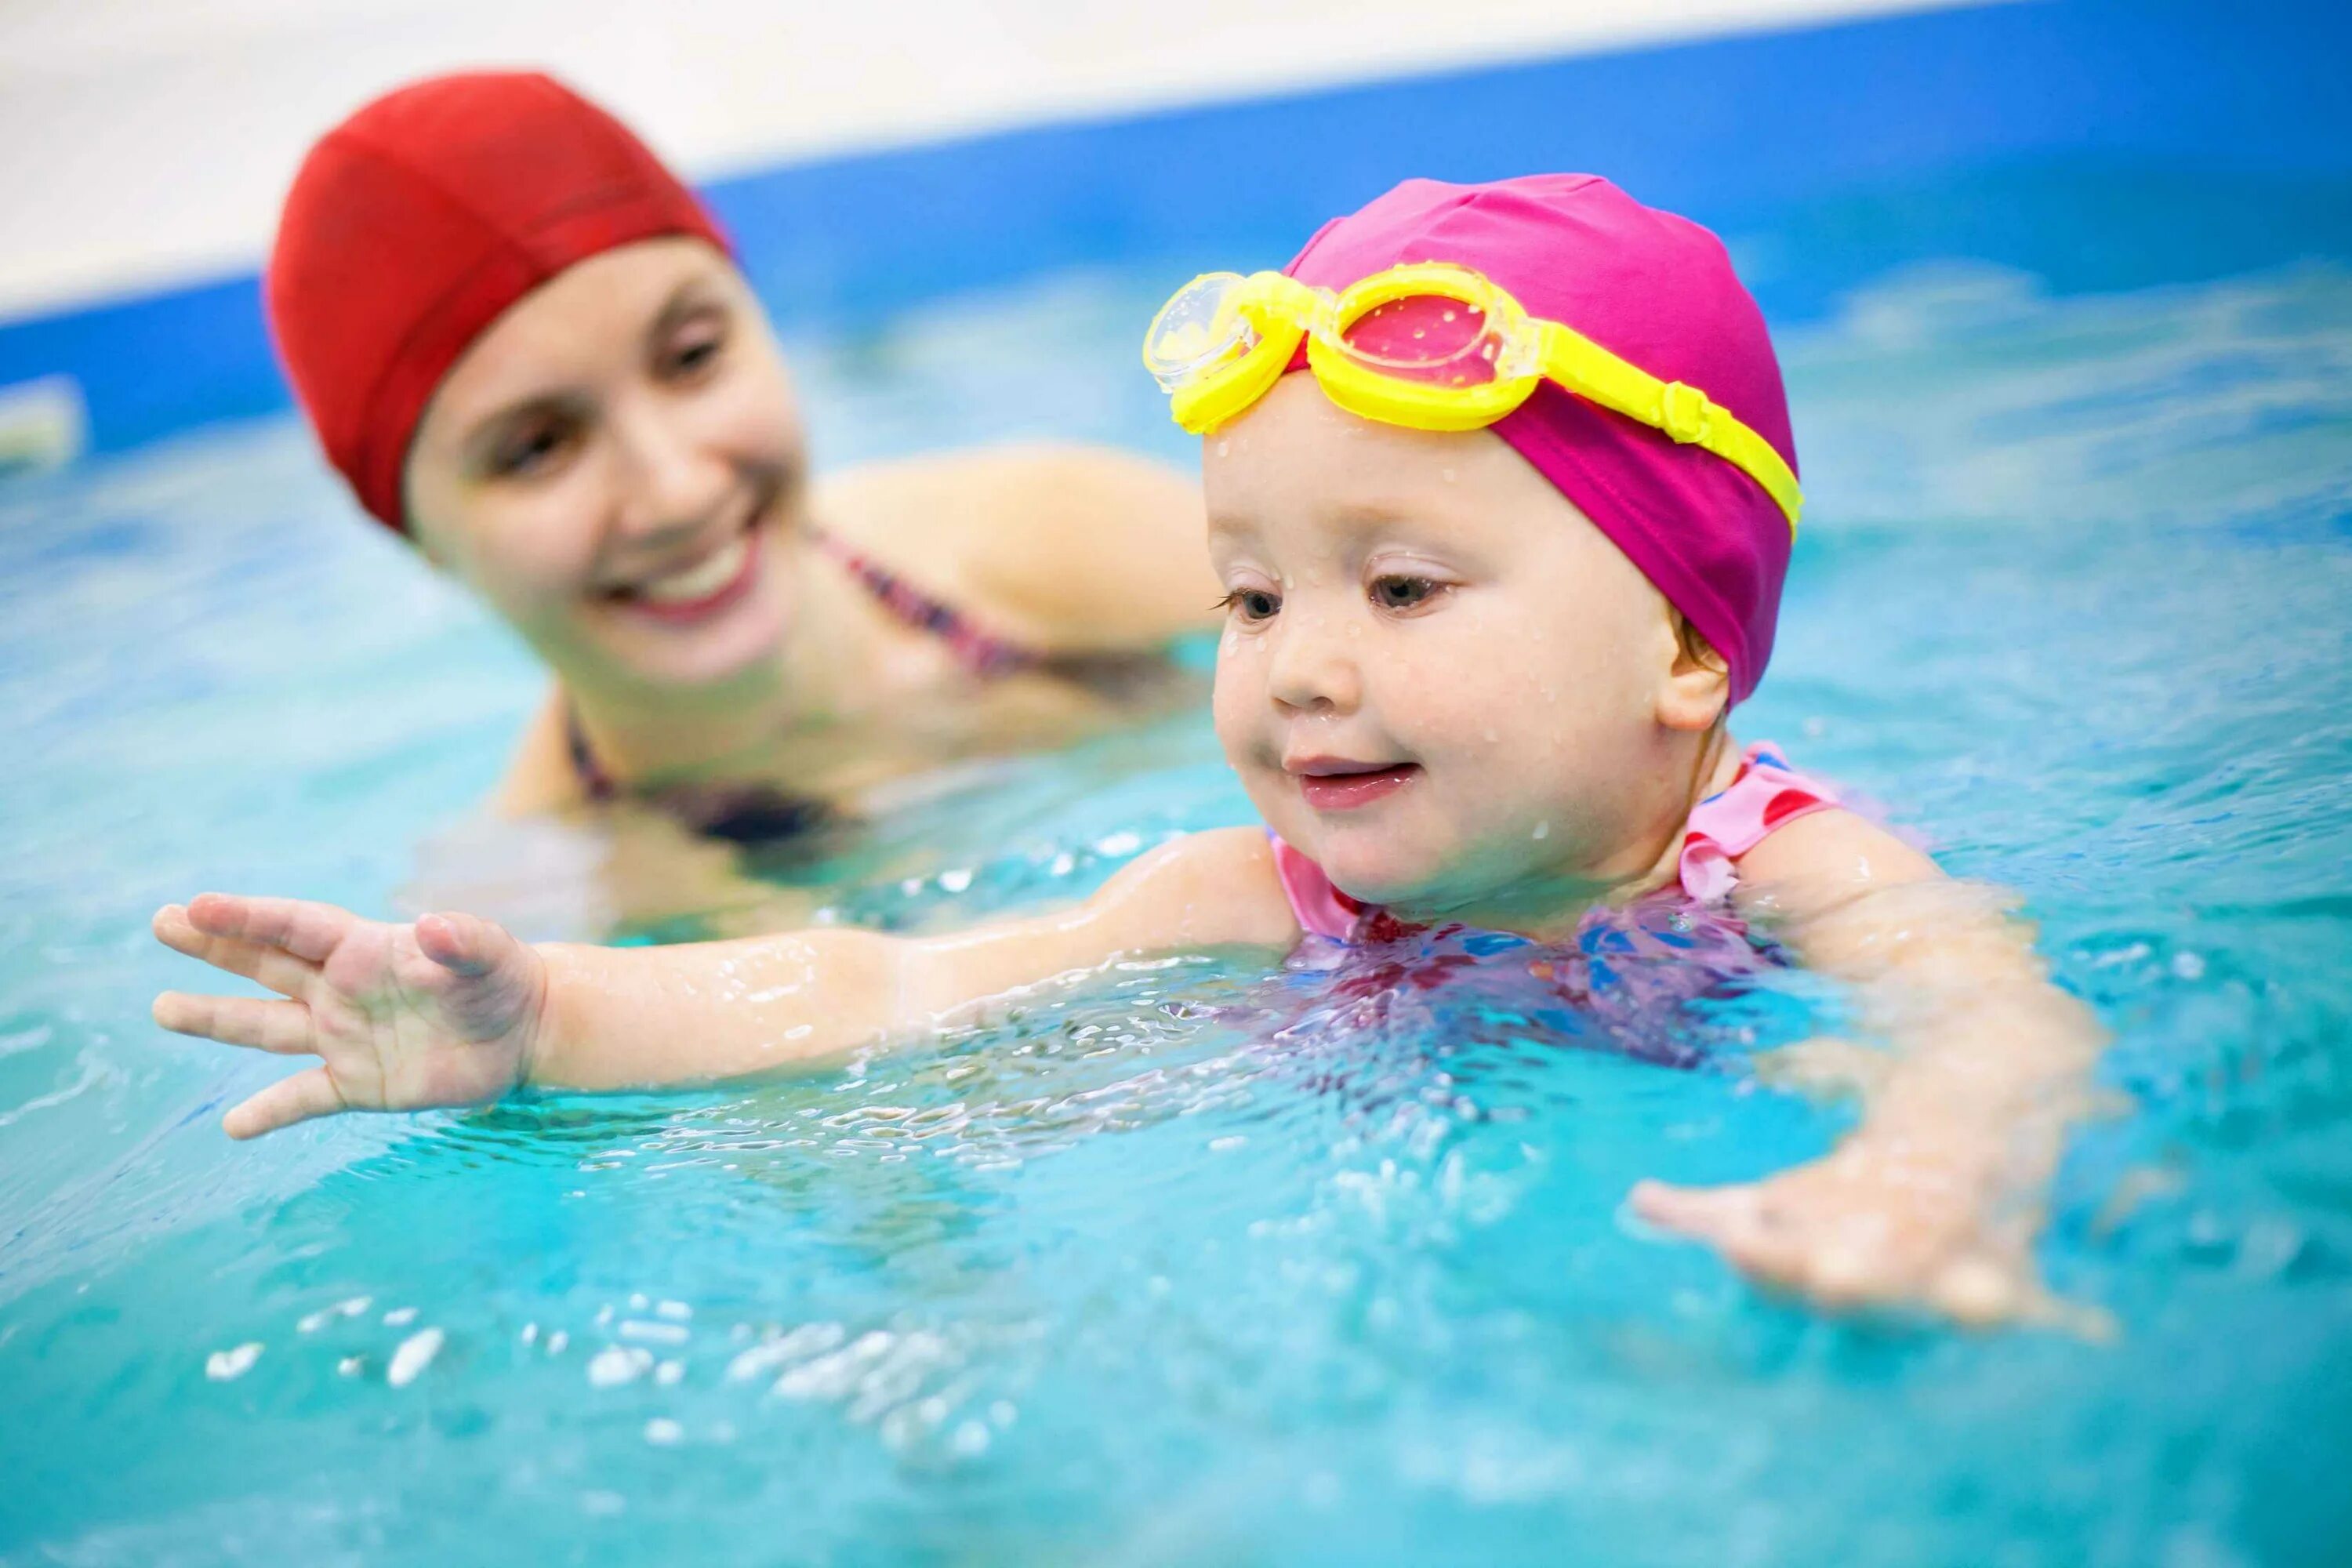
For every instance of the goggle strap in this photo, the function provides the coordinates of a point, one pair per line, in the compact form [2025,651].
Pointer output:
[1677,409]
[1283,311]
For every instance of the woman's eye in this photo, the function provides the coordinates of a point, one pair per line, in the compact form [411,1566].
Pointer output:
[1403,593]
[529,450]
[691,356]
[1253,604]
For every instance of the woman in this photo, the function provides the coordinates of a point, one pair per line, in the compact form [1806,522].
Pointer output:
[524,343]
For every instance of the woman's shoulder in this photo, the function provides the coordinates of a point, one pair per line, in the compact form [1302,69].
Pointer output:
[1068,549]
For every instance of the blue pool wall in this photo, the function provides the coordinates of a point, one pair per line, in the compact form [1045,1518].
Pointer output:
[1944,132]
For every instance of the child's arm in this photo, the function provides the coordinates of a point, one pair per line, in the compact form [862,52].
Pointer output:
[1936,1196]
[453,1010]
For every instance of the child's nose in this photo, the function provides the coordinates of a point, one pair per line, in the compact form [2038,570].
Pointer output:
[1313,669]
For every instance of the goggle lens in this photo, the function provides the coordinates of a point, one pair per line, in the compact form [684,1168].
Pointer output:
[1427,338]
[1199,330]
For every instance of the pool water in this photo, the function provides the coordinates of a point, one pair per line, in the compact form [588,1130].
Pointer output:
[1205,1263]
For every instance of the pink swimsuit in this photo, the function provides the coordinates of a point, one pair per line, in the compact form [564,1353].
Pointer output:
[1764,794]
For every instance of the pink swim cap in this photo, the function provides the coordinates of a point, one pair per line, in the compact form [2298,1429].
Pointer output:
[1655,289]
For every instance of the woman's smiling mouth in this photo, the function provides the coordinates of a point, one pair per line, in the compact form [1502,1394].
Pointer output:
[707,588]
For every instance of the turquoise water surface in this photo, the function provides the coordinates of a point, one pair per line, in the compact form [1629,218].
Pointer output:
[1205,1264]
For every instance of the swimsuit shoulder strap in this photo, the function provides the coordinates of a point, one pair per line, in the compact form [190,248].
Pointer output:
[1321,907]
[594,782]
[979,651]
[1764,794]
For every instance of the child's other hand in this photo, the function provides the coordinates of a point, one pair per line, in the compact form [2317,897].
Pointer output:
[444,1011]
[1874,1224]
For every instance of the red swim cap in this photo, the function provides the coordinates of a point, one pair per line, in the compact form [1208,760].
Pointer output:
[415,223]
[1656,290]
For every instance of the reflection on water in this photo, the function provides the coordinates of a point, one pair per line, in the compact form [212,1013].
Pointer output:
[1203,1262]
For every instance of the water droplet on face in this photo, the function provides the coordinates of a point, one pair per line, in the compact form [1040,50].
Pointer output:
[1543,830]
[1224,445]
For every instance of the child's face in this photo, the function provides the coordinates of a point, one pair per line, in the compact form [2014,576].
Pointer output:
[1437,679]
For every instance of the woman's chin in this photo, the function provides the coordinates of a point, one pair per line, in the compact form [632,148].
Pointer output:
[716,652]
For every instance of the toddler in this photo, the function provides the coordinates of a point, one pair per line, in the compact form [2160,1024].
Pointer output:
[1501,490]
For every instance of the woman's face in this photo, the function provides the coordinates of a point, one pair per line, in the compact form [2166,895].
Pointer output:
[613,464]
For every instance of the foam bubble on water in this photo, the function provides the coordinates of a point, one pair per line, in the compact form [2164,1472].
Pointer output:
[414,1355]
[808,1340]
[400,1317]
[616,1365]
[222,1366]
[657,1333]
[312,1323]
[663,1432]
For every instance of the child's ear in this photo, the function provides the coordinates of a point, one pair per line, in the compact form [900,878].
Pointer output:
[1697,687]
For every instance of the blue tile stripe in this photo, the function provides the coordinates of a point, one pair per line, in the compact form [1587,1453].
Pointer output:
[1839,121]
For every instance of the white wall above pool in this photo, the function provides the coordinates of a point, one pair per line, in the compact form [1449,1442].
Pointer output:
[148,144]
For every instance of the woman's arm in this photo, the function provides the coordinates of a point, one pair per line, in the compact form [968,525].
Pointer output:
[452,1010]
[1936,1196]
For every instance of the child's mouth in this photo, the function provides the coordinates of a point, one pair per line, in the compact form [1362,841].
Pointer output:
[1329,784]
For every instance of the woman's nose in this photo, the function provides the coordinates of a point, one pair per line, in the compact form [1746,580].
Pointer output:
[670,482]
[1313,667]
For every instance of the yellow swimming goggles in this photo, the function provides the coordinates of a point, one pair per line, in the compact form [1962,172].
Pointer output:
[1459,362]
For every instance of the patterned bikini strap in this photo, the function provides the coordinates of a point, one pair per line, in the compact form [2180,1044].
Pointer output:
[979,651]
[594,782]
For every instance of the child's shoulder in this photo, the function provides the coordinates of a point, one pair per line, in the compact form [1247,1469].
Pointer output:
[1828,855]
[1221,884]
[1777,834]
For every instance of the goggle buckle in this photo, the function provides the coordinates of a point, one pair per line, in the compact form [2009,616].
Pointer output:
[1685,412]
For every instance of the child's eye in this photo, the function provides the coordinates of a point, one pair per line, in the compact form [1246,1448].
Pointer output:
[1403,593]
[1252,603]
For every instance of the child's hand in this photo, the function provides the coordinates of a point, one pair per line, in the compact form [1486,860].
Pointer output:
[445,1012]
[1874,1224]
